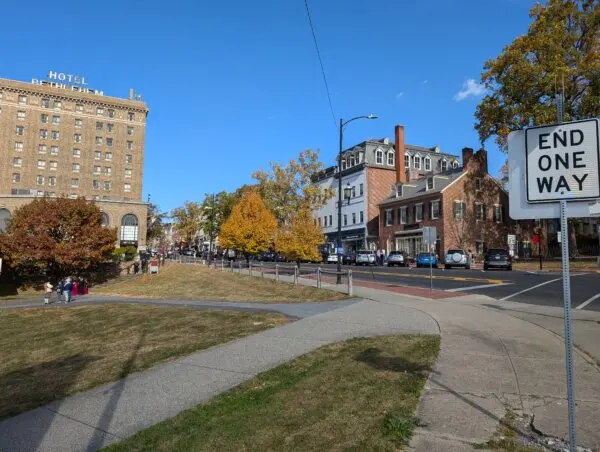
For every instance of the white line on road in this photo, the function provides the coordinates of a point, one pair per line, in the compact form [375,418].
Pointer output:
[536,286]
[483,286]
[588,301]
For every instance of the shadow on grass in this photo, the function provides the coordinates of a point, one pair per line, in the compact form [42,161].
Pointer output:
[373,357]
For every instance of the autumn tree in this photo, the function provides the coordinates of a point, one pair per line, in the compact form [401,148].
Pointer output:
[187,220]
[56,237]
[287,189]
[299,240]
[250,227]
[155,228]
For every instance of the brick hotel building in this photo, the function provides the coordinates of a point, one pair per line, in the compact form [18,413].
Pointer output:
[61,140]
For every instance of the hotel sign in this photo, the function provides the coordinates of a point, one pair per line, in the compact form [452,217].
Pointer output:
[71,82]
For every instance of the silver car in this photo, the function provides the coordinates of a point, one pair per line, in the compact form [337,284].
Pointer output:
[365,257]
[397,258]
[457,258]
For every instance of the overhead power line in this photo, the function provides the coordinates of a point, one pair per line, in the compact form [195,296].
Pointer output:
[312,29]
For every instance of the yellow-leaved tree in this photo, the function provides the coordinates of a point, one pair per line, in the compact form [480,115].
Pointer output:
[250,227]
[300,239]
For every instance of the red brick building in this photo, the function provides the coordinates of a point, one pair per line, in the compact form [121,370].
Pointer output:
[468,207]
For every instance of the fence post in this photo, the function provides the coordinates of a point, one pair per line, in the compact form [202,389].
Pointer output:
[240,267]
[250,268]
[276,272]
[262,270]
[296,274]
[318,277]
[231,266]
[350,288]
[222,264]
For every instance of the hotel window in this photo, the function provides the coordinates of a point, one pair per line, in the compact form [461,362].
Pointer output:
[53,165]
[435,210]
[44,118]
[75,183]
[362,216]
[107,171]
[79,123]
[40,193]
[96,184]
[16,178]
[130,146]
[108,156]
[343,165]
[55,135]
[97,155]
[77,138]
[459,210]
[407,161]
[56,120]
[22,100]
[354,191]
[127,173]
[390,159]
[18,146]
[478,184]
[52,181]
[479,209]
[98,140]
[444,165]
[130,116]
[417,162]
[351,161]
[57,104]
[345,220]
[430,184]
[353,217]
[99,111]
[41,164]
[111,113]
[20,116]
[40,180]
[53,150]
[97,170]
[76,167]
[455,164]
[109,127]
[76,153]
[361,189]
[129,130]
[427,163]
[330,221]
[79,108]
[127,187]
[379,157]
[107,185]
[497,214]
[109,142]
[17,162]
[129,158]
[419,213]
[20,130]
[99,126]
[389,217]
[46,103]
[403,215]
[42,148]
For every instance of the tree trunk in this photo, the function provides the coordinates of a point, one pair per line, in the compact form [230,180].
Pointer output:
[573,251]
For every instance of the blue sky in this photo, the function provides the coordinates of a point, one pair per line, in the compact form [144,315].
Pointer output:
[234,84]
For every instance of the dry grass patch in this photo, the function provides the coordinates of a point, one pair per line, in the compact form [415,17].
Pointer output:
[355,395]
[50,353]
[193,282]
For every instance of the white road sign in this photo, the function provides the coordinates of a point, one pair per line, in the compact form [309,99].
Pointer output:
[563,162]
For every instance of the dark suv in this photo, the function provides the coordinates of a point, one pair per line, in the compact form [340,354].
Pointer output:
[497,258]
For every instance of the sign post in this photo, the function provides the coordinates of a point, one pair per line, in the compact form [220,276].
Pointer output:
[429,239]
[550,166]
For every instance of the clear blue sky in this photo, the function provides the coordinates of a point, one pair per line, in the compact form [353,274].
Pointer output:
[234,84]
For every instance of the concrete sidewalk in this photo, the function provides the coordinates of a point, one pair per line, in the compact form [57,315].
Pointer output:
[93,419]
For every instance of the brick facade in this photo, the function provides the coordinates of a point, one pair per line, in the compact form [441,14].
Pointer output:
[379,182]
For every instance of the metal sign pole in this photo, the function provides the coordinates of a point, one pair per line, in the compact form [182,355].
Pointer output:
[430,271]
[566,280]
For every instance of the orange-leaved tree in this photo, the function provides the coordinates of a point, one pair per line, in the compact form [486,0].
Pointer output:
[57,237]
[250,227]
[300,239]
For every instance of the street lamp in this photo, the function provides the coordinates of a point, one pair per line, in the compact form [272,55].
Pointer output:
[339,237]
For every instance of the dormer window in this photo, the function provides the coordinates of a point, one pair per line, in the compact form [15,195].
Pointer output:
[455,164]
[444,165]
[427,163]
[429,183]
[390,159]
[417,162]
[343,165]
[379,157]
[352,161]
[406,161]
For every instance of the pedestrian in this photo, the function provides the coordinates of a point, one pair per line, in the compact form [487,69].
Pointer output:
[382,257]
[83,286]
[48,292]
[378,256]
[67,290]
[59,290]
[75,288]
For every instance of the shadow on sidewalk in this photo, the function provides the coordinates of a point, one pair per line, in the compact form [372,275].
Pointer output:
[101,427]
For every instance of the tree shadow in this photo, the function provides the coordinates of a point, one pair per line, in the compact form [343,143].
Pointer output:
[373,357]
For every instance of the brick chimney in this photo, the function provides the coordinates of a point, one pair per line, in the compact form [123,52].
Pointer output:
[467,154]
[482,158]
[399,145]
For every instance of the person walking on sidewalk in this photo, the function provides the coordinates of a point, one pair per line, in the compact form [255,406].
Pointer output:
[48,292]
[67,290]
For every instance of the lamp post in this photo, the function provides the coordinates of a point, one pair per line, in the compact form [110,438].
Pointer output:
[339,212]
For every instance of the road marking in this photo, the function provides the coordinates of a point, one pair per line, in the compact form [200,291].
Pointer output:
[535,287]
[483,286]
[588,301]
[424,276]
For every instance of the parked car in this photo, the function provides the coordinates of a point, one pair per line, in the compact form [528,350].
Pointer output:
[457,258]
[349,259]
[365,257]
[427,260]
[397,258]
[497,258]
[189,252]
[332,259]
[278,257]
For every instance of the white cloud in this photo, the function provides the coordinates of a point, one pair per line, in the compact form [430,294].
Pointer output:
[399,95]
[469,88]
[425,82]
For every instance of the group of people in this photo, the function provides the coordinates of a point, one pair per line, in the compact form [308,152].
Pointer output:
[66,289]
[380,256]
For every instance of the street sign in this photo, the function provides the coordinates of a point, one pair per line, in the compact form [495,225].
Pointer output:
[511,240]
[562,162]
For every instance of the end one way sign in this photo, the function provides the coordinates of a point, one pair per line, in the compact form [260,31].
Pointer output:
[563,162]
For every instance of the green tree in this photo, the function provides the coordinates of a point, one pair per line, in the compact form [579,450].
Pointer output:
[287,189]
[155,230]
[56,237]
[188,220]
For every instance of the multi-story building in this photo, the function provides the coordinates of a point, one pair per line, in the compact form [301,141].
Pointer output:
[467,206]
[369,169]
[66,140]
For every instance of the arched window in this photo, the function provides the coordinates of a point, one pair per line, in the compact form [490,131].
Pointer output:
[129,228]
[105,220]
[379,157]
[343,164]
[417,162]
[390,158]
[407,161]
[427,163]
[4,219]
[455,164]
[444,165]
[352,162]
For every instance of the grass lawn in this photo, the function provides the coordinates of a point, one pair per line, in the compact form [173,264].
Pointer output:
[193,282]
[355,395]
[554,265]
[50,353]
